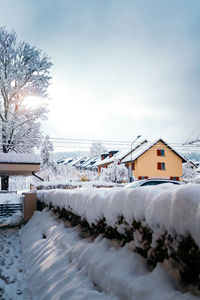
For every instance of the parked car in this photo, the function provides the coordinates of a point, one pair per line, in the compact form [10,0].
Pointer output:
[151,182]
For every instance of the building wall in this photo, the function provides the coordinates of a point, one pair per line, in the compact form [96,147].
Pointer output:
[146,164]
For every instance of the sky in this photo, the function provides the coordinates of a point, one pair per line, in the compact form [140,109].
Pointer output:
[121,68]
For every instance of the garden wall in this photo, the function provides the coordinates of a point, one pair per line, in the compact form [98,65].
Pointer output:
[162,223]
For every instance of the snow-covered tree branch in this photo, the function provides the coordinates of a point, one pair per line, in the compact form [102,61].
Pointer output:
[97,149]
[24,71]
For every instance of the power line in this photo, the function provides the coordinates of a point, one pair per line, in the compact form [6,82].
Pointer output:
[81,140]
[75,143]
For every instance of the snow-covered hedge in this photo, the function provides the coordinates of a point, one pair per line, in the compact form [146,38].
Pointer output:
[163,222]
[75,184]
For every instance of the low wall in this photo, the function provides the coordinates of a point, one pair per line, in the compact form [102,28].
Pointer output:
[162,224]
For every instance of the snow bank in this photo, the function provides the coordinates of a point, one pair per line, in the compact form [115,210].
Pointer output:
[17,217]
[61,265]
[14,220]
[173,208]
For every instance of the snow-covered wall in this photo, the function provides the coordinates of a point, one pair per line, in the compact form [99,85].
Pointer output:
[175,209]
[163,222]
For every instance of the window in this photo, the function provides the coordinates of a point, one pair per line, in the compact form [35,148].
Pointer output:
[142,177]
[133,166]
[161,166]
[174,178]
[161,152]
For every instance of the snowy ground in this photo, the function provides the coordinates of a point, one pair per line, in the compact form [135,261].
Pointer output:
[12,277]
[60,264]
[48,260]
[11,198]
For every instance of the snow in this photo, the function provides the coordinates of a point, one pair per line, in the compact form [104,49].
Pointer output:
[59,264]
[16,218]
[8,198]
[47,259]
[75,183]
[12,277]
[19,158]
[174,208]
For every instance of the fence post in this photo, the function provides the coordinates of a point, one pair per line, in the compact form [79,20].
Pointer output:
[29,205]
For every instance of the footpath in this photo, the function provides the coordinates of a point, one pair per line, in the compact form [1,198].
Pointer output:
[12,277]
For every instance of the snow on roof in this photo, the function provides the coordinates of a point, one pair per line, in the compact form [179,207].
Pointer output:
[105,160]
[146,146]
[91,163]
[119,155]
[77,160]
[69,159]
[87,162]
[60,158]
[189,162]
[16,158]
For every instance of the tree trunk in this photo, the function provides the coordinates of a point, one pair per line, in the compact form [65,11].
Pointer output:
[4,183]
[5,178]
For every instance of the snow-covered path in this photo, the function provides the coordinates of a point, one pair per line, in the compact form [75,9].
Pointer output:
[12,278]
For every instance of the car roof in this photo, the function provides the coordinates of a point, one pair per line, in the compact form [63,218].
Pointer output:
[142,181]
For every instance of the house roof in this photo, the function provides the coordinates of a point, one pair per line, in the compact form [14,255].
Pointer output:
[120,155]
[81,161]
[145,147]
[19,164]
[189,162]
[87,161]
[91,163]
[68,160]
[60,159]
[75,161]
[19,158]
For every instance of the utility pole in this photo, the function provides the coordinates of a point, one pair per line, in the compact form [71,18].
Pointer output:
[130,167]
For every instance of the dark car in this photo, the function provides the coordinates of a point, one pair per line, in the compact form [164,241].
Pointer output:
[150,182]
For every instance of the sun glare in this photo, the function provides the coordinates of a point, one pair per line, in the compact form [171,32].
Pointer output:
[33,102]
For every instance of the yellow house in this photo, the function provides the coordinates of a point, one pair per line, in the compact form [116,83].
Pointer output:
[155,160]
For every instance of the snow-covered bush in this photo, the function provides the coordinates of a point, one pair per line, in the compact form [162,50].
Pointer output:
[189,172]
[115,172]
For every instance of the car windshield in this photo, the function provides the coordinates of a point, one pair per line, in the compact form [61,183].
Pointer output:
[154,182]
[134,184]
